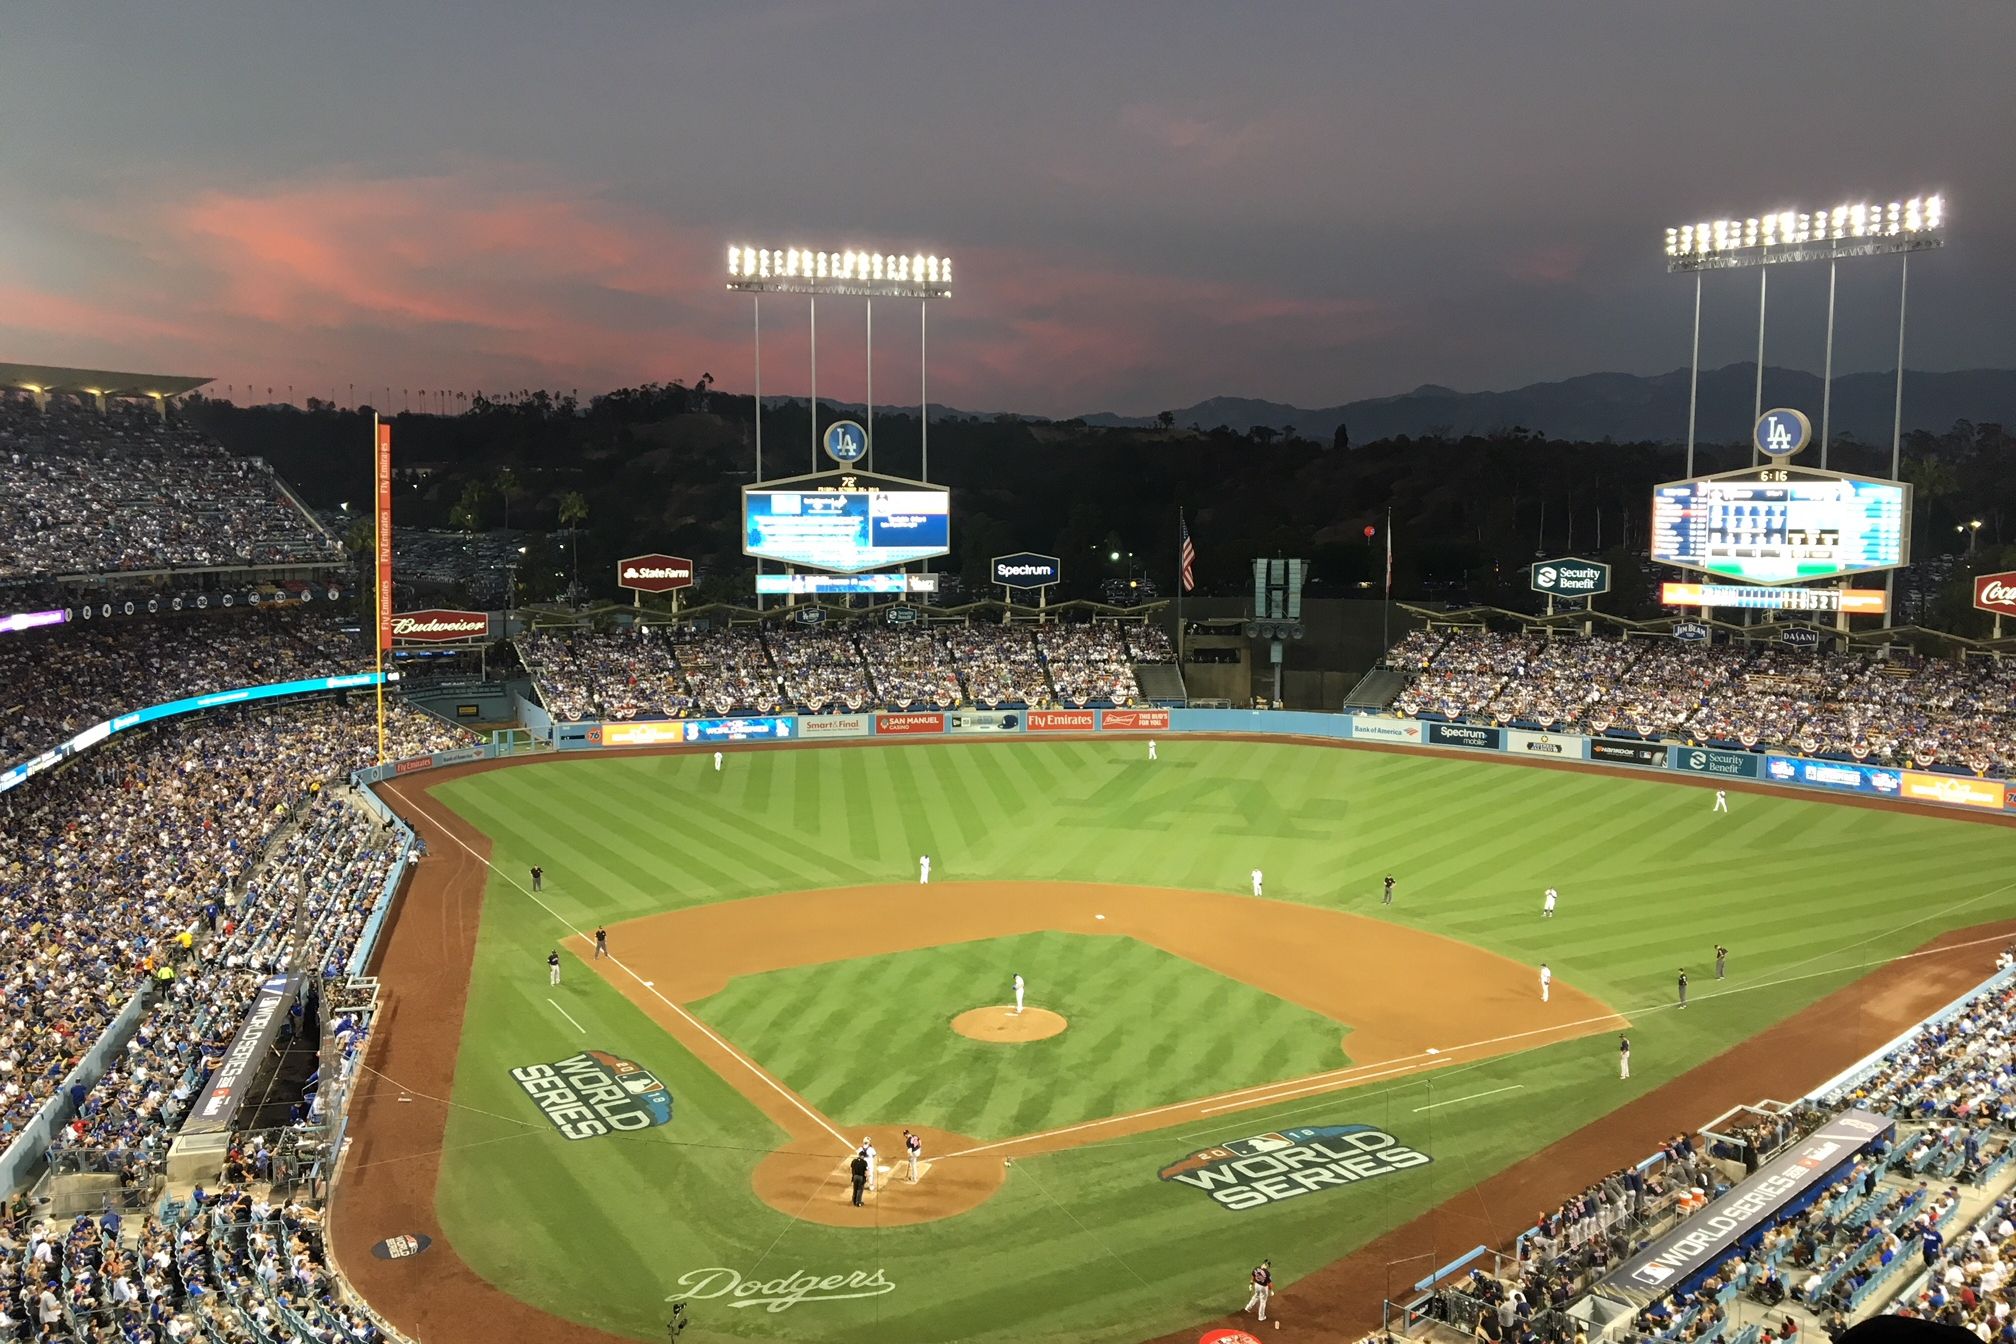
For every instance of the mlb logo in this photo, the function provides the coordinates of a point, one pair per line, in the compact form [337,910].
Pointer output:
[1653,1274]
[1260,1143]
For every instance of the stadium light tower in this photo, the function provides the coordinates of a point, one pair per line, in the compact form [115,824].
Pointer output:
[1858,229]
[847,273]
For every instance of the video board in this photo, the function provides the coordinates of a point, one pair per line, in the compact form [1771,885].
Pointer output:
[1773,525]
[864,524]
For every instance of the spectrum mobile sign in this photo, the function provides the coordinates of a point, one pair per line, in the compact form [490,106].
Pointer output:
[1026,569]
[1265,1169]
[654,573]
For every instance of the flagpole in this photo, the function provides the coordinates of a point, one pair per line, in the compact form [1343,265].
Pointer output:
[1179,590]
[1386,613]
[381,560]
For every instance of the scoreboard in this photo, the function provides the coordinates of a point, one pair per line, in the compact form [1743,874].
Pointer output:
[1772,525]
[862,523]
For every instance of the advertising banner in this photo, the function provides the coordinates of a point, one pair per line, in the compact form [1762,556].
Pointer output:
[218,1105]
[1570,577]
[1026,569]
[835,725]
[1465,735]
[1063,720]
[1559,746]
[653,733]
[1365,728]
[383,480]
[1134,720]
[1857,601]
[1703,1240]
[1626,753]
[1710,761]
[654,573]
[759,727]
[986,721]
[1834,775]
[1958,790]
[909,723]
[435,626]
[1996,592]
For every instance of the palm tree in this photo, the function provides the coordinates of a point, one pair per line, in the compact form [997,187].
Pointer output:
[508,489]
[573,511]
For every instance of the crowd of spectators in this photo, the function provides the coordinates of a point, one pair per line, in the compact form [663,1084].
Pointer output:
[85,492]
[1969,1285]
[1885,710]
[56,682]
[670,671]
[108,865]
[1962,1068]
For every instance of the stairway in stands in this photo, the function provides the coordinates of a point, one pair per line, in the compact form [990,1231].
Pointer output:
[1160,683]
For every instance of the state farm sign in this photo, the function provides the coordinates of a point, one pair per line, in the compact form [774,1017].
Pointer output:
[1996,592]
[654,573]
[439,627]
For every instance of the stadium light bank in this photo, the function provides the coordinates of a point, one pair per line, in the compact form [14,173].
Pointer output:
[1852,229]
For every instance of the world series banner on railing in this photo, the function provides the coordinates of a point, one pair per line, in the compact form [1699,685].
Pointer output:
[221,1099]
[98,732]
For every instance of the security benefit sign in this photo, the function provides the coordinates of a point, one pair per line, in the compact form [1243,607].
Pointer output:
[1268,1168]
[1569,577]
[594,1093]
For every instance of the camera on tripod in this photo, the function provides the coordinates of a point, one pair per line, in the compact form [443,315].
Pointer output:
[677,1325]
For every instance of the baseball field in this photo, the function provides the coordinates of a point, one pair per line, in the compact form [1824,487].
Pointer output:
[1202,1079]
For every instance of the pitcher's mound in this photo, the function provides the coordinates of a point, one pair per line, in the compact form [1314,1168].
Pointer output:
[1005,1026]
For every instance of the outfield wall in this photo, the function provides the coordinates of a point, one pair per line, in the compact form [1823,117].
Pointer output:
[1966,793]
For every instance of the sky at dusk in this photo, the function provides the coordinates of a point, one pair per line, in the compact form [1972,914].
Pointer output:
[1147,203]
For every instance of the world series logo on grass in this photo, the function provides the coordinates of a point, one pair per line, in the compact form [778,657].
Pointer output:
[595,1093]
[1268,1168]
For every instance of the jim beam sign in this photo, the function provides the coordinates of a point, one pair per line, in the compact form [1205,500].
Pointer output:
[440,627]
[1265,1169]
[654,573]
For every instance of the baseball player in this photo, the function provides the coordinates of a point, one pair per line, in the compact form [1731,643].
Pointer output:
[717,769]
[1721,800]
[1263,1288]
[1389,890]
[538,878]
[1018,993]
[923,870]
[601,943]
[1256,881]
[1547,904]
[1546,980]
[914,1146]
[1151,748]
[553,967]
[1623,1056]
[1721,961]
[868,1152]
[1683,986]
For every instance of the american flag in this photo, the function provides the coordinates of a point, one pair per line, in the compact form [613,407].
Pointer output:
[1187,558]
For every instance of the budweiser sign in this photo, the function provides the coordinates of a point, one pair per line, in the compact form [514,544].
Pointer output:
[436,627]
[654,573]
[1996,592]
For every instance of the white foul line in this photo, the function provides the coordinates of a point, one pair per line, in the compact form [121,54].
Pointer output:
[1472,1097]
[569,1016]
[649,987]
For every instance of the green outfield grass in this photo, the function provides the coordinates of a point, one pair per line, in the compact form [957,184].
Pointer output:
[1088,1244]
[1146,1028]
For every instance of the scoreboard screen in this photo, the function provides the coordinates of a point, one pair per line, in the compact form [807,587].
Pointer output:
[1781,525]
[846,531]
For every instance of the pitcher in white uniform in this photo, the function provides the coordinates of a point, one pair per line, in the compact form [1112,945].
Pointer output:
[1018,994]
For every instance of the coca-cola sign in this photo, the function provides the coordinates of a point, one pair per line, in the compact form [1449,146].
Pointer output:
[1996,592]
[654,573]
[439,627]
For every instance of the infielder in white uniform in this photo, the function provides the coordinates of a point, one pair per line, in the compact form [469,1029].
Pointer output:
[1256,881]
[923,870]
[1151,748]
[1547,906]
[1721,800]
[717,760]
[1546,979]
[1018,994]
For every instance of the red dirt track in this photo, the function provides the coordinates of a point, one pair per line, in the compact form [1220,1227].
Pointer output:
[386,1184]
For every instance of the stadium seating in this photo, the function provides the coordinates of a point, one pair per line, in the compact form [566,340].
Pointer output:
[88,493]
[1927,712]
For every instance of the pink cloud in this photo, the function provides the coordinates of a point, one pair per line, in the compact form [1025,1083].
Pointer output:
[1558,264]
[1213,142]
